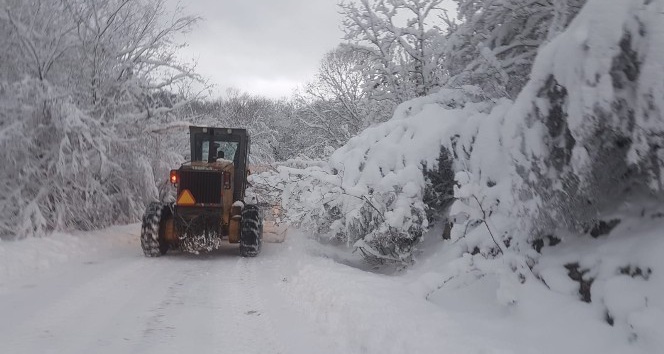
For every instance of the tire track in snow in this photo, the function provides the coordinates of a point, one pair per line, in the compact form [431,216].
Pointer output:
[248,330]
[182,320]
[125,303]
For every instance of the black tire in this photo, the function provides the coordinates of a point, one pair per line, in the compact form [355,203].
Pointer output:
[166,214]
[251,231]
[153,220]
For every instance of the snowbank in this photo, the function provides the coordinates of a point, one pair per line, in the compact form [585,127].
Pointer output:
[448,303]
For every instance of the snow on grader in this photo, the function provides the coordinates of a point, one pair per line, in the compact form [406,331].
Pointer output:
[210,205]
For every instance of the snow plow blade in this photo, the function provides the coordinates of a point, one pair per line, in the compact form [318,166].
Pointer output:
[274,233]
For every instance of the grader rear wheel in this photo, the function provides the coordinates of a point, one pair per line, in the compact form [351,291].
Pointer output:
[155,220]
[251,231]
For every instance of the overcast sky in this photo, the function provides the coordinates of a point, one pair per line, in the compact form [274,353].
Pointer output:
[265,47]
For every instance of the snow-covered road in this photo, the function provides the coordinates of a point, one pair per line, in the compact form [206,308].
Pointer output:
[96,293]
[118,301]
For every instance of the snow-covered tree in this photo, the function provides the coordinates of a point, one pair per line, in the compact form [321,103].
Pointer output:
[336,105]
[39,37]
[80,81]
[495,42]
[127,52]
[439,185]
[402,42]
[593,114]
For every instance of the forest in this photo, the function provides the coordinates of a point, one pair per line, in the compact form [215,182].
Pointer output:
[90,89]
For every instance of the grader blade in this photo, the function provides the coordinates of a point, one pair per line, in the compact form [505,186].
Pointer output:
[273,232]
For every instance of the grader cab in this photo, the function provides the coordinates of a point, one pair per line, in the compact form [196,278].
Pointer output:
[209,206]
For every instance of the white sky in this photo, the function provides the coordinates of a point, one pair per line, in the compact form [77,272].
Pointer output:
[264,47]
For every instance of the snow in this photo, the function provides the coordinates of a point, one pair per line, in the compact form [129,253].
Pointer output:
[300,296]
[626,266]
[36,255]
[102,295]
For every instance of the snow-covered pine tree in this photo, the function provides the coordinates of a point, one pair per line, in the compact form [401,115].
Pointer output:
[593,113]
[439,185]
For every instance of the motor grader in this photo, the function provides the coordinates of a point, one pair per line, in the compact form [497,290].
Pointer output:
[209,206]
